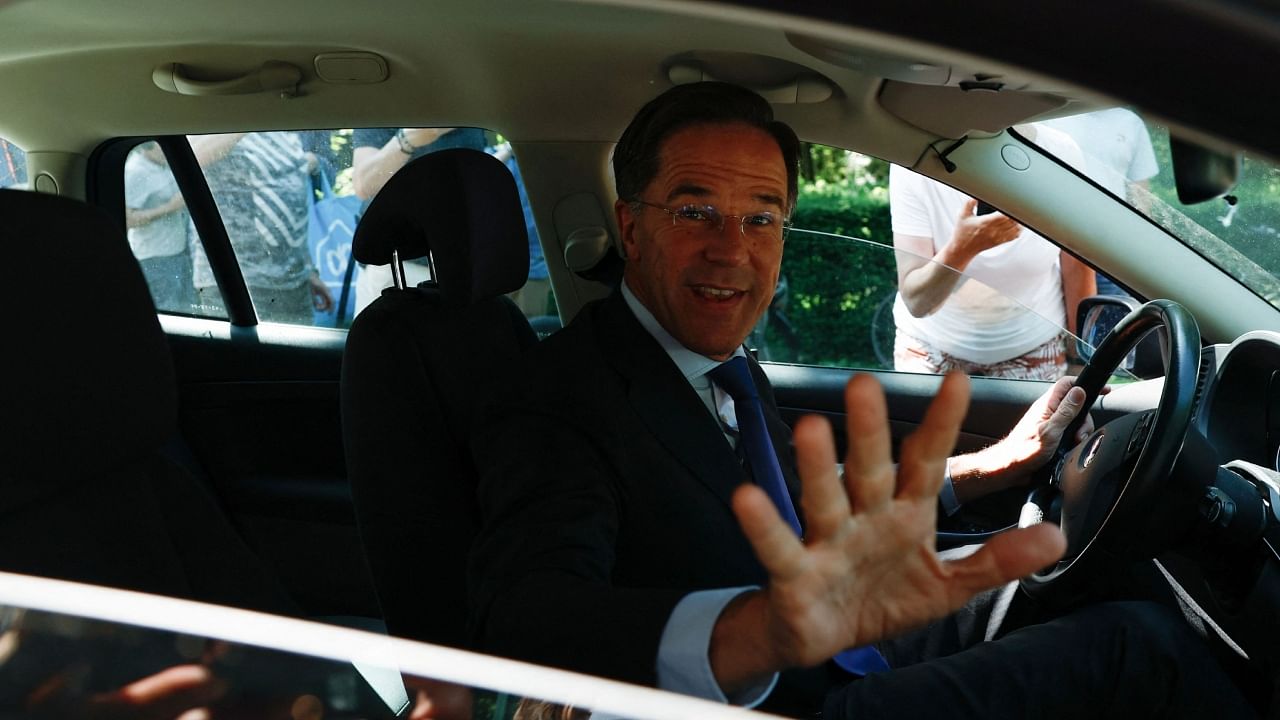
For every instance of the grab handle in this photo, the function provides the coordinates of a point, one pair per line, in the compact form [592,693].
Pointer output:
[271,76]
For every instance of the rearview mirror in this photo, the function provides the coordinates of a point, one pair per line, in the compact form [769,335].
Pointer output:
[1201,173]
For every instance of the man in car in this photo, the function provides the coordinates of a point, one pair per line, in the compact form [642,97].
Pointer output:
[643,520]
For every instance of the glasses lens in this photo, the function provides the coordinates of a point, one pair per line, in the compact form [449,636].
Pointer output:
[699,217]
[760,226]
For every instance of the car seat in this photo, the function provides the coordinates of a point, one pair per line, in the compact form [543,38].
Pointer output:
[419,364]
[87,491]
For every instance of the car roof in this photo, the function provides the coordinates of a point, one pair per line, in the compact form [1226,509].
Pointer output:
[574,70]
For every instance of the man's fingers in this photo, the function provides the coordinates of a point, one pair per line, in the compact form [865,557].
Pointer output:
[823,500]
[773,540]
[1059,391]
[925,451]
[1068,408]
[868,469]
[1008,556]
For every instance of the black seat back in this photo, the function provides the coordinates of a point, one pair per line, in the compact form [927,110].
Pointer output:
[90,402]
[418,367]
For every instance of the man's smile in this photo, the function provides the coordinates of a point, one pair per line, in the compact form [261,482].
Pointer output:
[717,294]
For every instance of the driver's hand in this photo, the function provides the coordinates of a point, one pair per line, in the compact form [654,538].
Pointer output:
[1026,448]
[1037,435]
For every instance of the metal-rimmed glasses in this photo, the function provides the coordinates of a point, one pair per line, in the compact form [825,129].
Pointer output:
[702,219]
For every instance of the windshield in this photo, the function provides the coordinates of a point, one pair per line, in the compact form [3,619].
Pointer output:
[1128,155]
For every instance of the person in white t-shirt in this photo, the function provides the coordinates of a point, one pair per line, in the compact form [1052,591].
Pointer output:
[980,293]
[1117,155]
[157,221]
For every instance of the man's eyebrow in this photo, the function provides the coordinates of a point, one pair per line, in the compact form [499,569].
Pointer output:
[771,199]
[699,191]
[688,189]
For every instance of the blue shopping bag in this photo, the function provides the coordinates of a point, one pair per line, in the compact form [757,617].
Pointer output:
[332,225]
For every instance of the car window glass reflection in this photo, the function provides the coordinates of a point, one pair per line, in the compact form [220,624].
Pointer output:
[58,666]
[13,165]
[63,666]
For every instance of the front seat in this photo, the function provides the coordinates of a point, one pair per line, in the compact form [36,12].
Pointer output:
[87,491]
[419,364]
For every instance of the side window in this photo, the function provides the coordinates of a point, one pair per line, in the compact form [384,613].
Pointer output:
[858,227]
[266,186]
[13,165]
[290,202]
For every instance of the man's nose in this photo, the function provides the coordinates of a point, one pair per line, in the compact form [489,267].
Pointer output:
[728,246]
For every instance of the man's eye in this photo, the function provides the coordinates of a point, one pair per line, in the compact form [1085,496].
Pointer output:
[760,219]
[693,212]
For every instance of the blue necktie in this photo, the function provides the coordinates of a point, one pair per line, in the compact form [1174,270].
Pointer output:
[734,377]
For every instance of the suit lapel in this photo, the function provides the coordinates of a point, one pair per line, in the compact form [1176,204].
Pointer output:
[665,402]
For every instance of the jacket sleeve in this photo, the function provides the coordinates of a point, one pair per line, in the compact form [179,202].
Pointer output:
[540,572]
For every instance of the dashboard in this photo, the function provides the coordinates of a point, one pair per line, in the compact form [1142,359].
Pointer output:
[1240,410]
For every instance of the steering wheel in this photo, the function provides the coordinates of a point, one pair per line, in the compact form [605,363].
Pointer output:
[1112,489]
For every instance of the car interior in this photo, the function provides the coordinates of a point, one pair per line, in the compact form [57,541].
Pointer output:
[323,471]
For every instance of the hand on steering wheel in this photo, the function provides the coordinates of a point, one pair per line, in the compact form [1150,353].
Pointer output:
[1111,493]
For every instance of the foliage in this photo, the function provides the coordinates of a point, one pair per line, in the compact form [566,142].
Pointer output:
[856,211]
[823,164]
[1251,226]
[340,150]
[840,278]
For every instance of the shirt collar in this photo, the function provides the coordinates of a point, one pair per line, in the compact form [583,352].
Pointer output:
[691,364]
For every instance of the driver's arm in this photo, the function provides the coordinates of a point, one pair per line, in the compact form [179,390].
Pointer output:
[1025,449]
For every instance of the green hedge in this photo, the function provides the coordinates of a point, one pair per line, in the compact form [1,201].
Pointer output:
[836,285]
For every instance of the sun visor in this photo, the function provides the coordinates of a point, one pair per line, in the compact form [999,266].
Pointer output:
[953,112]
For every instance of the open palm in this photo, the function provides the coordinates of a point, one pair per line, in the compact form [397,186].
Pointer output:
[867,568]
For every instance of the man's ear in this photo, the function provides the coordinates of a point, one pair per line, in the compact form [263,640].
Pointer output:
[626,218]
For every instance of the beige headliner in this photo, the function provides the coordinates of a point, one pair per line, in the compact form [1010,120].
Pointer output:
[537,70]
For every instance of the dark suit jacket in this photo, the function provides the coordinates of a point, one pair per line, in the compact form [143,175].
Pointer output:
[605,492]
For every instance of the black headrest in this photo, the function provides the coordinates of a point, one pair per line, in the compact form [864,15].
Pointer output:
[462,206]
[88,379]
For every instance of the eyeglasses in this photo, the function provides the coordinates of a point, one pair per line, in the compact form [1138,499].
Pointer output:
[762,226]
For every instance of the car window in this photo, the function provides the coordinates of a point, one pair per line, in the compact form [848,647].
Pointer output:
[13,165]
[99,652]
[290,202]
[1129,156]
[838,302]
